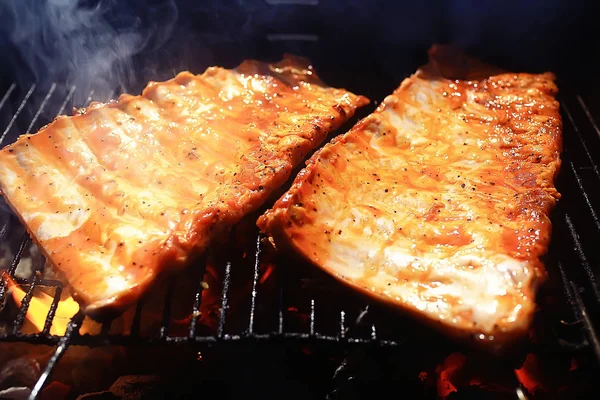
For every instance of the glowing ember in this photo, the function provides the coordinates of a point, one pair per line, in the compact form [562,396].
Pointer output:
[39,306]
[526,378]
[446,372]
[537,374]
[574,365]
[270,268]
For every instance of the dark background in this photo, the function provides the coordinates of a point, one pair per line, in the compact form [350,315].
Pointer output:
[366,46]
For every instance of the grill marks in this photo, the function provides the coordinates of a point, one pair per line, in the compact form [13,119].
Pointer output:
[121,191]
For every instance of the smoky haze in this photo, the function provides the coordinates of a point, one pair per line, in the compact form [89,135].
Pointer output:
[87,44]
[119,45]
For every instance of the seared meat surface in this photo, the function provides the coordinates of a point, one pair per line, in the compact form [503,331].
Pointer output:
[438,203]
[120,192]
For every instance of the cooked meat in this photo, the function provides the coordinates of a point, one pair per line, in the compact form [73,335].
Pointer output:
[123,191]
[438,203]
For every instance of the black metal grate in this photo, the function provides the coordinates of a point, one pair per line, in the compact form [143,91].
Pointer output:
[574,258]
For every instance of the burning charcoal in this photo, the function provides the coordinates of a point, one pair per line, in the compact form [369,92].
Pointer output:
[55,390]
[19,372]
[137,387]
[88,372]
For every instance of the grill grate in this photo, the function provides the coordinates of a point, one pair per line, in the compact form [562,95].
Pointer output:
[576,221]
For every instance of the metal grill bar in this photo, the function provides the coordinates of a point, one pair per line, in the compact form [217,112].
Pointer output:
[197,302]
[361,317]
[254,284]
[566,288]
[581,141]
[587,323]
[584,262]
[586,197]
[588,114]
[291,337]
[358,322]
[25,304]
[196,309]
[52,311]
[312,317]
[42,105]
[280,276]
[224,300]
[122,340]
[43,282]
[7,95]
[164,326]
[4,229]
[570,297]
[90,97]
[342,324]
[67,99]
[16,114]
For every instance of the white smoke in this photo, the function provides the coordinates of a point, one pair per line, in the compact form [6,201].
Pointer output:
[90,44]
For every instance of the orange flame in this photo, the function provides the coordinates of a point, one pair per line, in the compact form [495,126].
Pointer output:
[39,306]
